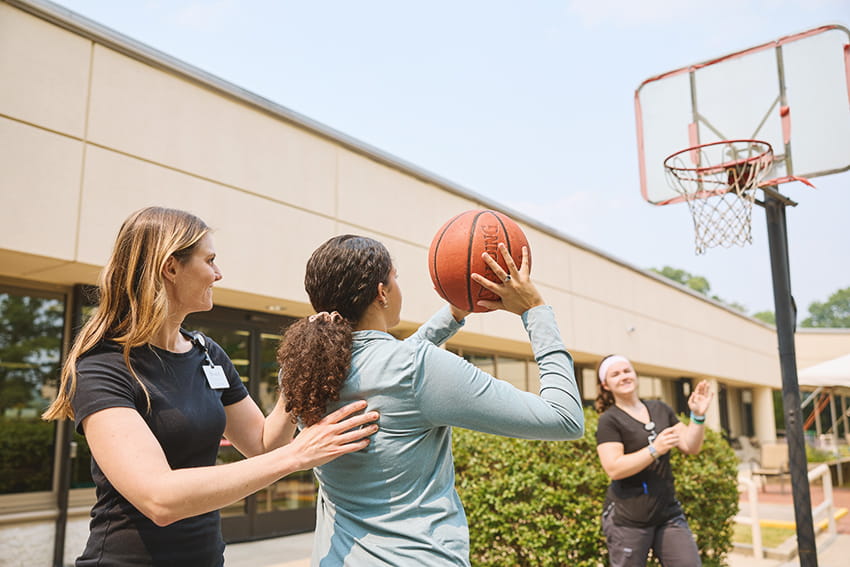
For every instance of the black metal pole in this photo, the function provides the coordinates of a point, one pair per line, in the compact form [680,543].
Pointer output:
[777,235]
[63,439]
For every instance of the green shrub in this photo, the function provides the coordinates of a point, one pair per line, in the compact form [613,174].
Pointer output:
[537,503]
[707,487]
[26,455]
[815,455]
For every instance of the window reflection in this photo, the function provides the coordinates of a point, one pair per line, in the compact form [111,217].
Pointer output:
[513,371]
[485,362]
[297,490]
[236,344]
[31,328]
[520,372]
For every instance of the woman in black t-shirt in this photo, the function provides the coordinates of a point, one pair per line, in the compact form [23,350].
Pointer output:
[633,440]
[154,400]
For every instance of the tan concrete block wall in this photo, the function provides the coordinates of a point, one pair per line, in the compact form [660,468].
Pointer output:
[49,67]
[274,190]
[40,188]
[814,346]
[169,120]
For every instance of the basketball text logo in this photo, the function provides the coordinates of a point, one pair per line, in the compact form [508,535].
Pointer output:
[490,234]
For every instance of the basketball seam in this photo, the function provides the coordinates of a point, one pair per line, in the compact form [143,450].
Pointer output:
[441,290]
[469,259]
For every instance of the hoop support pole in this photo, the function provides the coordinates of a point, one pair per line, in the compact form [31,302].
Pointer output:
[786,313]
[773,192]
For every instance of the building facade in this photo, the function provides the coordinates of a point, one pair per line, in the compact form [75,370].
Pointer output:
[94,125]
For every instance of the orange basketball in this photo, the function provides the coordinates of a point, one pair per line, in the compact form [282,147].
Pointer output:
[455,255]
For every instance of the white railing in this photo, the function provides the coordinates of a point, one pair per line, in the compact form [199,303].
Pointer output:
[827,507]
[752,488]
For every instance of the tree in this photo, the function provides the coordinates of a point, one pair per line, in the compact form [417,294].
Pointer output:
[768,317]
[30,348]
[697,283]
[833,313]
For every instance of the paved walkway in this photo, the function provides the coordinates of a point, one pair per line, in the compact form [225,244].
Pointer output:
[776,503]
[294,551]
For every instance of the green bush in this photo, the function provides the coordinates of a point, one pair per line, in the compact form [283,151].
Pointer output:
[26,455]
[707,487]
[538,503]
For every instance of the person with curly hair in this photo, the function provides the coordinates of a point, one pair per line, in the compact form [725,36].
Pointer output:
[395,503]
[634,438]
[154,400]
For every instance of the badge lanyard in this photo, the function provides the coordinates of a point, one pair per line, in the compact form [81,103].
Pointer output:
[215,374]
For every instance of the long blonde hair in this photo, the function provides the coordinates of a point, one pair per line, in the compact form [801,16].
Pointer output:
[133,302]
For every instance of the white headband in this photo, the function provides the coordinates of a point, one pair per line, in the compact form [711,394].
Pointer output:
[606,364]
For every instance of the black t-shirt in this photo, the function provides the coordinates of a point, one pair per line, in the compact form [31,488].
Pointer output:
[647,498]
[186,417]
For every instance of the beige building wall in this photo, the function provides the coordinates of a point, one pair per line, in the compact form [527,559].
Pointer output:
[814,346]
[93,130]
[94,126]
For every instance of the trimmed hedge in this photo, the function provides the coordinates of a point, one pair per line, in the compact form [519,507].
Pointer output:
[538,503]
[26,455]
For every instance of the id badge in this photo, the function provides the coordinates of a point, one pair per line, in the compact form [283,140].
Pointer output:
[215,377]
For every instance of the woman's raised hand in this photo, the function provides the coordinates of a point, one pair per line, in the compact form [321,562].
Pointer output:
[700,398]
[335,435]
[516,292]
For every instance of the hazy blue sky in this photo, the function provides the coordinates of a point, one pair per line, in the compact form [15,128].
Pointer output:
[530,103]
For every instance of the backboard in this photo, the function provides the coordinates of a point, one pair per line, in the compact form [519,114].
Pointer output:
[793,93]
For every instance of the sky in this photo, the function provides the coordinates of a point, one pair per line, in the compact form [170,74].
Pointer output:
[529,103]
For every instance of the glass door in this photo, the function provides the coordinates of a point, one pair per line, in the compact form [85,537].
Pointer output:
[288,505]
[251,339]
[236,342]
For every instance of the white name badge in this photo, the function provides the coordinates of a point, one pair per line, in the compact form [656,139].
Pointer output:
[215,377]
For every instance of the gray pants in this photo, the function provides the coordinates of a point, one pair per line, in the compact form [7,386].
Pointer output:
[672,543]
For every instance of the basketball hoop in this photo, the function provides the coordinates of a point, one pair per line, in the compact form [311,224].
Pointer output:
[718,181]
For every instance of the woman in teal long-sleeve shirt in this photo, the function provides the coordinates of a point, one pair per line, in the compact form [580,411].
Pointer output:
[394,503]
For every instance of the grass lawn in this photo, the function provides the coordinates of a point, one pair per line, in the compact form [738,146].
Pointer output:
[771,537]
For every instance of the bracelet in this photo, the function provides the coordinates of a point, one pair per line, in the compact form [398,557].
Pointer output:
[653,452]
[698,419]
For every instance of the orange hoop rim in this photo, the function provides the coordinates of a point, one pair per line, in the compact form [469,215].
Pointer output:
[765,155]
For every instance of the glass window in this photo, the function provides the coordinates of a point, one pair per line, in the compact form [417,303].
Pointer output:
[512,370]
[589,384]
[650,388]
[31,329]
[533,376]
[485,362]
[236,343]
[297,490]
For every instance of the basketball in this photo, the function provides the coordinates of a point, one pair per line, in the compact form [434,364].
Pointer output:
[456,250]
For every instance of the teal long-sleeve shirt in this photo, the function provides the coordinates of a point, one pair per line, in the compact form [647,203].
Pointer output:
[395,503]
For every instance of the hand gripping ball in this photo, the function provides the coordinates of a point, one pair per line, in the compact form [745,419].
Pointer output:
[455,255]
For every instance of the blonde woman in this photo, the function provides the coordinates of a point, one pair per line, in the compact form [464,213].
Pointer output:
[634,439]
[154,400]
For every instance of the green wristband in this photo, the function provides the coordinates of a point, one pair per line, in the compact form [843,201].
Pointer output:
[698,419]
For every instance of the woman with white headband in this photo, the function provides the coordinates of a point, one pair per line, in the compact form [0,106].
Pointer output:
[634,439]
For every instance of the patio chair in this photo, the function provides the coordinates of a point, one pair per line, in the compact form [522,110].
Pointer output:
[773,462]
[748,454]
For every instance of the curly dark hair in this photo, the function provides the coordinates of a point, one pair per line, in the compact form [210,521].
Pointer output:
[342,276]
[604,399]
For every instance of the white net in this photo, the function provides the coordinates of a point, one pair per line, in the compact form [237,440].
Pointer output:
[718,182]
